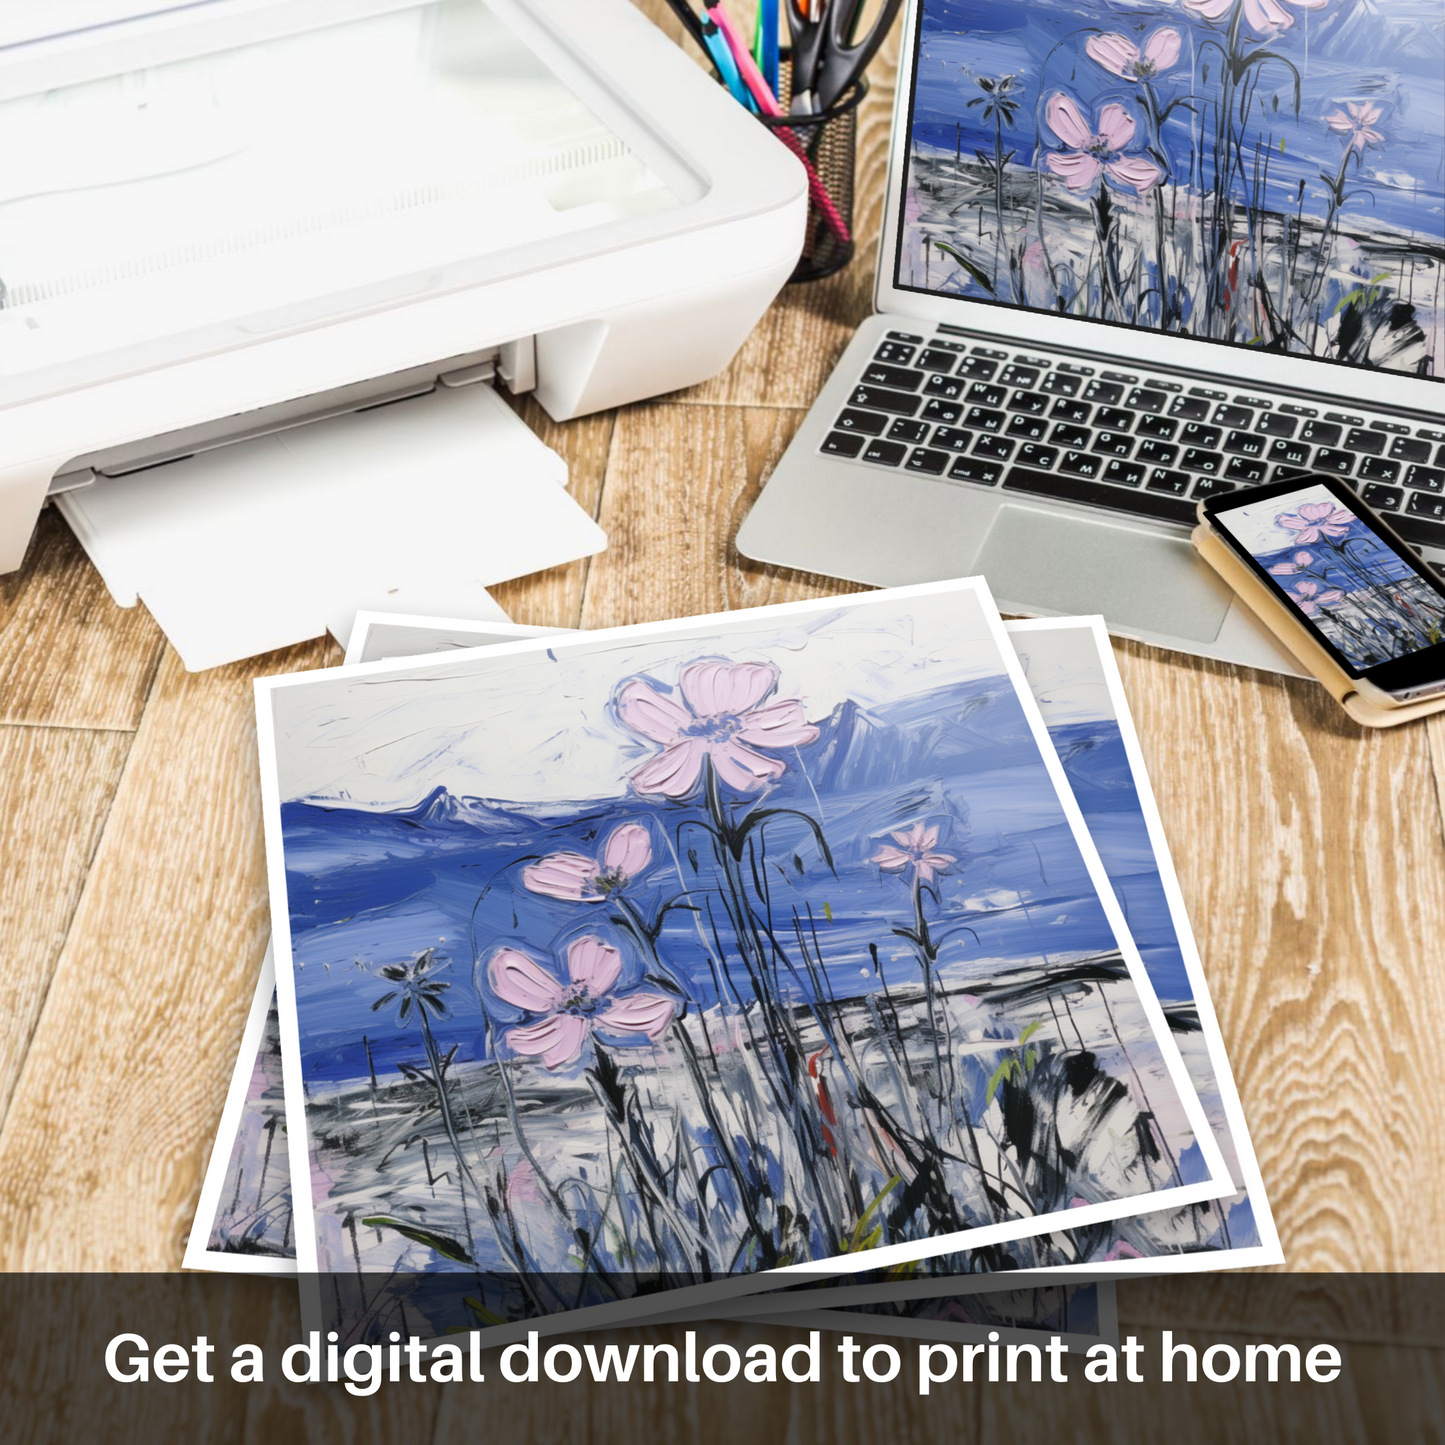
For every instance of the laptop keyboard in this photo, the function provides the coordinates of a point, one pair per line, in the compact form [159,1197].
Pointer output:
[1140,444]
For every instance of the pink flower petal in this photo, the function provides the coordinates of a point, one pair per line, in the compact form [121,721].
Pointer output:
[938,861]
[1162,48]
[928,837]
[1313,511]
[521,983]
[780,725]
[1116,126]
[1135,171]
[1122,1249]
[1373,137]
[1062,117]
[742,768]
[891,859]
[1338,120]
[1261,15]
[716,688]
[1078,170]
[1291,522]
[638,1013]
[558,1039]
[673,773]
[1210,9]
[628,850]
[593,964]
[1332,595]
[647,711]
[1306,589]
[1113,52]
[1284,569]
[563,875]
[1302,559]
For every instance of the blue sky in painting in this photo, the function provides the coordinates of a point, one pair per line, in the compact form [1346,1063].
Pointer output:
[380,886]
[1387,52]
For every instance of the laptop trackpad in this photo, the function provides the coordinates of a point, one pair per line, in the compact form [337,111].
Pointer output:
[1070,565]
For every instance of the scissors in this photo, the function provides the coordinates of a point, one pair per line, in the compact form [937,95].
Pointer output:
[828,56]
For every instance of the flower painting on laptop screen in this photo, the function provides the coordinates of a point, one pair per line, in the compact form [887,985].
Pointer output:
[1266,173]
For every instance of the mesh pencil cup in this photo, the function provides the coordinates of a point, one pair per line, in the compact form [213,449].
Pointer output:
[826,143]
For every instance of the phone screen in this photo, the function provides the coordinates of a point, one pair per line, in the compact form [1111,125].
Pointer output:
[1362,594]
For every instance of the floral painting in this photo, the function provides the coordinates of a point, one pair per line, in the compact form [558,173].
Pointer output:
[244,1219]
[1366,599]
[1077,688]
[1266,173]
[650,962]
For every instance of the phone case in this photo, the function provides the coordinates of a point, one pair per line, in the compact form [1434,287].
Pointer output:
[1296,637]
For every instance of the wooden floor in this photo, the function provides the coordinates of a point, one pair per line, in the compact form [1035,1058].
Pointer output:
[133,903]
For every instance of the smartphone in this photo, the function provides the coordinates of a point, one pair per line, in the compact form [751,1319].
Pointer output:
[1337,566]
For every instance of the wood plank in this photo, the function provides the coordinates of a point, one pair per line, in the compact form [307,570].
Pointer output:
[706,1413]
[1311,858]
[554,598]
[1380,1394]
[679,482]
[56,786]
[116,1106]
[69,657]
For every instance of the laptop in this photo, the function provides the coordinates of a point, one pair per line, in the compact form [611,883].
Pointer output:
[1097,302]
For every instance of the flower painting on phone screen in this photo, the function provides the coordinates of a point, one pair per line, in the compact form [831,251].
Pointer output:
[1333,569]
[1266,173]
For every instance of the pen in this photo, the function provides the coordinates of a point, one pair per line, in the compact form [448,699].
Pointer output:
[688,18]
[767,103]
[765,42]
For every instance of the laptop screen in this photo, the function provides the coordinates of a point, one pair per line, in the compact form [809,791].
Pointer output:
[1256,173]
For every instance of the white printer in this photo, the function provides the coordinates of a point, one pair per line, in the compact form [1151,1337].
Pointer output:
[224,219]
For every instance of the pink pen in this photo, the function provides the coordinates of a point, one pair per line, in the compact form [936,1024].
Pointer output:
[768,105]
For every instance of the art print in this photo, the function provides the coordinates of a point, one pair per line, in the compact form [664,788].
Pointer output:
[632,950]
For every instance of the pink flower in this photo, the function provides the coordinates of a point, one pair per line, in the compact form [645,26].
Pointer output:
[1308,596]
[1263,17]
[915,846]
[572,1010]
[724,719]
[1120,54]
[1299,561]
[522,1185]
[1093,153]
[580,879]
[1122,1249]
[1357,124]
[1315,520]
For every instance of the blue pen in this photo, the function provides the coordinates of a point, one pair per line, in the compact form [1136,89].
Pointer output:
[768,26]
[727,67]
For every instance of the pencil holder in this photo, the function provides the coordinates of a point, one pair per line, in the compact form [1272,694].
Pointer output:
[826,143]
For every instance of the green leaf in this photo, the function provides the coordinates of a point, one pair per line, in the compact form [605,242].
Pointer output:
[447,1248]
[1004,1071]
[828,911]
[870,1241]
[967,265]
[482,1312]
[1029,1032]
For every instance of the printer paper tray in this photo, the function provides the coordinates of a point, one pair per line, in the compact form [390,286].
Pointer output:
[417,506]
